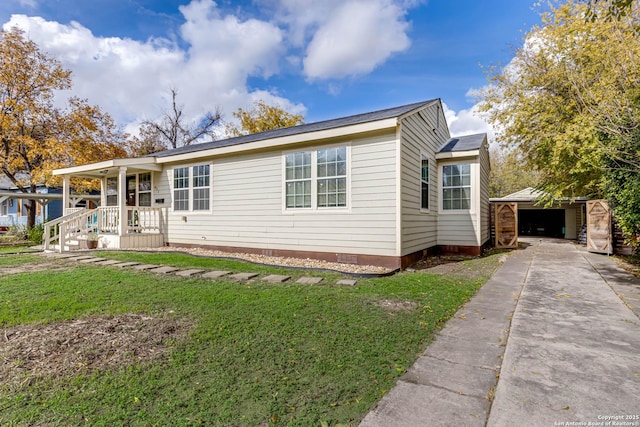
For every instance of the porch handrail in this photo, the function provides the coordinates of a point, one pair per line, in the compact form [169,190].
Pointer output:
[66,227]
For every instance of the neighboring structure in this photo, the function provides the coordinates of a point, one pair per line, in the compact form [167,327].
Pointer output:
[380,188]
[563,219]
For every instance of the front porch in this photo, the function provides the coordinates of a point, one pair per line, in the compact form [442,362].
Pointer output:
[124,219]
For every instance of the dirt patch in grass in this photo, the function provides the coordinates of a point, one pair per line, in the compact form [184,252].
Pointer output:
[393,305]
[29,352]
[461,266]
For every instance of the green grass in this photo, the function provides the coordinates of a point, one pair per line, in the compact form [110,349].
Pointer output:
[259,354]
[18,248]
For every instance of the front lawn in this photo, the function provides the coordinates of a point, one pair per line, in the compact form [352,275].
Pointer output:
[246,353]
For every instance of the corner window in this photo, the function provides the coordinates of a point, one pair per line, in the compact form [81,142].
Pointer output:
[456,187]
[424,183]
[316,179]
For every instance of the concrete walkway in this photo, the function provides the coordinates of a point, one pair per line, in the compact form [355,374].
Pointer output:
[572,349]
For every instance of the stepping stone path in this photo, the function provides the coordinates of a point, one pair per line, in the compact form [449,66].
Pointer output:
[188,273]
[306,280]
[276,278]
[142,267]
[242,277]
[163,270]
[92,260]
[215,274]
[159,269]
[79,258]
[125,264]
[108,262]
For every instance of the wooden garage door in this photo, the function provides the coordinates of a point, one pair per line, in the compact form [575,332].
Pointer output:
[599,227]
[506,225]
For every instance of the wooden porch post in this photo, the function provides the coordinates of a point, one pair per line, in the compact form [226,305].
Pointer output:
[103,191]
[122,201]
[66,184]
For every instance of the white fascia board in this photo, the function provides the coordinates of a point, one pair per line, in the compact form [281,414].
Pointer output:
[146,163]
[285,140]
[457,154]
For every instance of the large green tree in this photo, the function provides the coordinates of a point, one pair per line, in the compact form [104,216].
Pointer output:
[37,136]
[567,102]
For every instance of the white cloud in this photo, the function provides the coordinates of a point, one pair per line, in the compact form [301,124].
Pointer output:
[342,38]
[131,79]
[467,122]
[357,36]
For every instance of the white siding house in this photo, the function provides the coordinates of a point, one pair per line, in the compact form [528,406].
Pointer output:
[364,189]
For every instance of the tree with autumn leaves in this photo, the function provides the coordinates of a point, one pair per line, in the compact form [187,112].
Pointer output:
[37,136]
[262,117]
[568,104]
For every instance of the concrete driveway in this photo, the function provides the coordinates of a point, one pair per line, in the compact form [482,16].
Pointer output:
[553,338]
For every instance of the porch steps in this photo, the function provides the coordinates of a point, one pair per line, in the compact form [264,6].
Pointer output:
[190,273]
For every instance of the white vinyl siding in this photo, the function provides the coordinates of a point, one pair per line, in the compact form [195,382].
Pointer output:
[422,134]
[249,208]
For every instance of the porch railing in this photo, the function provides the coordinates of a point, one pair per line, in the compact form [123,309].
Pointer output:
[143,219]
[78,224]
[70,227]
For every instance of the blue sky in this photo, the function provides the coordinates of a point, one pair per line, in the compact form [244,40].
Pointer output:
[322,58]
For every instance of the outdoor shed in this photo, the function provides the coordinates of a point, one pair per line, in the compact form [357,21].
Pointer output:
[382,188]
[563,219]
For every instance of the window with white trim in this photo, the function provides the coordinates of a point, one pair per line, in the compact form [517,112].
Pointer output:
[332,177]
[316,179]
[181,189]
[298,179]
[112,191]
[4,208]
[424,182]
[201,188]
[456,187]
[144,189]
[192,188]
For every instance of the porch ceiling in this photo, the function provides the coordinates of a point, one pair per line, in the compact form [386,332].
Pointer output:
[111,168]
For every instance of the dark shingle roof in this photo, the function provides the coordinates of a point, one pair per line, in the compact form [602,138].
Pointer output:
[297,130]
[463,143]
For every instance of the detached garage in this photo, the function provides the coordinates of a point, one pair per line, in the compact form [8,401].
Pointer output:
[563,220]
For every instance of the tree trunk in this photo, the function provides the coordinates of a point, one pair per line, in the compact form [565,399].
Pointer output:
[31,210]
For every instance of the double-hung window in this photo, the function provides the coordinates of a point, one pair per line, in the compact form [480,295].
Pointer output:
[456,187]
[316,179]
[144,189]
[424,182]
[192,184]
[201,188]
[332,177]
[181,189]
[298,179]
